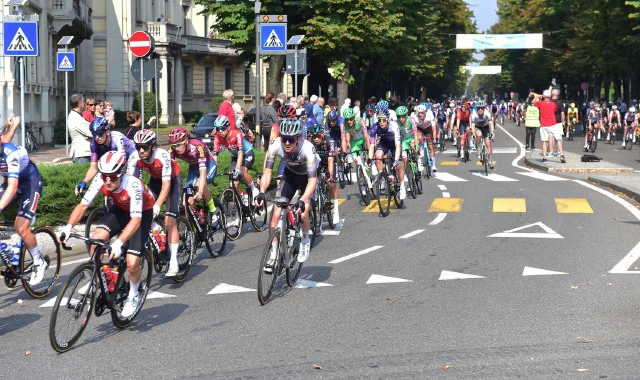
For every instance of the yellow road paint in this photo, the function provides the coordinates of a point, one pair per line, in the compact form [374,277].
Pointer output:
[480,162]
[573,206]
[446,205]
[373,206]
[509,205]
[340,200]
[449,163]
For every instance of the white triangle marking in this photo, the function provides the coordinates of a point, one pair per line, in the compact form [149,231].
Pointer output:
[303,284]
[20,42]
[273,40]
[335,231]
[448,275]
[548,234]
[153,294]
[494,177]
[65,64]
[227,288]
[378,279]
[625,263]
[529,271]
[446,177]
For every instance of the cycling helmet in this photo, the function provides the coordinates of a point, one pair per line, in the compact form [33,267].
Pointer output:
[145,136]
[452,104]
[592,104]
[632,109]
[383,114]
[494,102]
[573,105]
[221,122]
[332,115]
[287,112]
[316,129]
[177,135]
[112,163]
[402,111]
[348,113]
[382,104]
[421,108]
[615,107]
[99,124]
[370,106]
[480,104]
[290,127]
[440,108]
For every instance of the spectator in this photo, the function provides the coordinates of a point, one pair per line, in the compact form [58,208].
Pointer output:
[282,97]
[80,151]
[109,113]
[333,105]
[90,113]
[269,117]
[293,101]
[302,102]
[532,123]
[10,128]
[560,119]
[311,103]
[276,105]
[547,123]
[99,108]
[318,111]
[238,114]
[356,107]
[168,20]
[161,18]
[345,105]
[226,108]
[135,123]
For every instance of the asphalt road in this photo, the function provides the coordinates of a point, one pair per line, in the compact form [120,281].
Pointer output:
[404,307]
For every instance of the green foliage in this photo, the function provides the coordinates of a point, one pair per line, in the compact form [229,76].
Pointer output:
[60,129]
[58,181]
[215,103]
[193,116]
[121,118]
[149,105]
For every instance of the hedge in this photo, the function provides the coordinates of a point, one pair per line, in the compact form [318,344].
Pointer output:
[149,105]
[193,116]
[215,103]
[58,197]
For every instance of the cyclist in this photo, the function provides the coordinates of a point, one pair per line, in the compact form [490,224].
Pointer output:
[484,124]
[441,119]
[614,122]
[388,144]
[202,167]
[408,134]
[572,116]
[462,117]
[630,121]
[503,109]
[165,185]
[451,120]
[323,146]
[104,140]
[335,130]
[369,115]
[242,156]
[301,164]
[423,120]
[21,180]
[130,217]
[356,134]
[594,123]
[494,110]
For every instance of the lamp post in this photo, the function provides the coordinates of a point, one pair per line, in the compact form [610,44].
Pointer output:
[257,6]
[65,41]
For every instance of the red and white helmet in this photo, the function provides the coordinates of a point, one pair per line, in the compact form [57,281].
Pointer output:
[112,163]
[145,136]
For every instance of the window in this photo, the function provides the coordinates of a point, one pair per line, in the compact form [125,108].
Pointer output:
[169,77]
[206,26]
[185,8]
[247,81]
[186,79]
[208,80]
[228,78]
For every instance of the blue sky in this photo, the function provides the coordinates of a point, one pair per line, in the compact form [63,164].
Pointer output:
[485,15]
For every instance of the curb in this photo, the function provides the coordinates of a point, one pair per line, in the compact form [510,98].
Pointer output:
[540,166]
[61,159]
[617,186]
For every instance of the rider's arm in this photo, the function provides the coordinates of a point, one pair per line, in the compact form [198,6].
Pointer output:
[165,159]
[12,188]
[343,140]
[10,129]
[91,173]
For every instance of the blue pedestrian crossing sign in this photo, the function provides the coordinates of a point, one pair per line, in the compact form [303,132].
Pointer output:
[20,39]
[66,61]
[273,39]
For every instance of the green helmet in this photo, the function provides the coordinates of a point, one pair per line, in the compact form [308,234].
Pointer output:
[402,111]
[348,113]
[316,129]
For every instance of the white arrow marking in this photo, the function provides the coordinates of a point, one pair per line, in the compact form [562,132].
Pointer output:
[410,234]
[548,234]
[335,231]
[303,284]
[152,294]
[227,288]
[494,177]
[447,275]
[625,263]
[438,218]
[351,256]
[378,279]
[529,271]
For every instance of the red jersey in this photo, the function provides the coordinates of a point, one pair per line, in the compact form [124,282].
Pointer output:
[160,165]
[547,112]
[464,115]
[132,195]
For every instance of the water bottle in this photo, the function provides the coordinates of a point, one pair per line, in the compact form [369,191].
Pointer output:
[200,216]
[16,254]
[162,241]
[245,198]
[5,255]
[108,275]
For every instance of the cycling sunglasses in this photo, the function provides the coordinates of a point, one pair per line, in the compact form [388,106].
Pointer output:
[382,119]
[144,147]
[221,129]
[110,177]
[177,144]
[318,136]
[287,140]
[98,133]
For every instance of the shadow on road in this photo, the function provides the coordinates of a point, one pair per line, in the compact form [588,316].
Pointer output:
[12,323]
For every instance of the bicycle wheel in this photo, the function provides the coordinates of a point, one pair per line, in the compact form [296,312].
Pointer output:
[362,185]
[485,160]
[594,144]
[347,173]
[186,248]
[51,254]
[396,189]
[122,290]
[294,273]
[341,176]
[426,163]
[92,222]
[232,209]
[216,238]
[312,220]
[318,209]
[259,216]
[72,311]
[383,204]
[328,208]
[267,281]
[408,173]
[417,177]
[34,141]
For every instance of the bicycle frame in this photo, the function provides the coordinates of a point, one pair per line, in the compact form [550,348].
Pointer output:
[286,209]
[359,161]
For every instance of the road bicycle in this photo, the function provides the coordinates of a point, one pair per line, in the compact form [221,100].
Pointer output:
[463,144]
[483,152]
[30,141]
[389,186]
[426,158]
[186,248]
[50,252]
[343,170]
[72,310]
[611,134]
[570,129]
[237,210]
[199,216]
[94,218]
[323,204]
[592,142]
[286,236]
[629,138]
[414,177]
[365,183]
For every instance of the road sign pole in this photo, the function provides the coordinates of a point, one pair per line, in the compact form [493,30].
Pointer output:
[66,108]
[22,84]
[257,6]
[142,92]
[155,66]
[295,70]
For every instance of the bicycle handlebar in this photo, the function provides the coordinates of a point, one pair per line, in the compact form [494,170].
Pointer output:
[88,240]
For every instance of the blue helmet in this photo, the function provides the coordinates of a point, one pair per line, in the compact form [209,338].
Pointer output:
[332,115]
[383,113]
[440,108]
[383,104]
[99,124]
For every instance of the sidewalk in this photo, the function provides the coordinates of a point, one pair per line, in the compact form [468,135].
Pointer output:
[573,165]
[48,154]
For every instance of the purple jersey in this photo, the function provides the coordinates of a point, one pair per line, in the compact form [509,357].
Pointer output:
[119,143]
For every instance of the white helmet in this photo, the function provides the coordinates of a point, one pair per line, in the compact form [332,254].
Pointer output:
[420,108]
[145,136]
[632,109]
[112,163]
[615,107]
[452,104]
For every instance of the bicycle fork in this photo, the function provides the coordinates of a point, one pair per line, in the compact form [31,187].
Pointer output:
[366,172]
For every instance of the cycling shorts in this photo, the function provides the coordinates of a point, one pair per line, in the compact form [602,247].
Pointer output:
[29,192]
[247,161]
[406,144]
[289,184]
[464,125]
[357,145]
[116,219]
[194,173]
[486,131]
[173,199]
[386,147]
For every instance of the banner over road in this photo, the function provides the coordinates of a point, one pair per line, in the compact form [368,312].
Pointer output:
[474,70]
[499,41]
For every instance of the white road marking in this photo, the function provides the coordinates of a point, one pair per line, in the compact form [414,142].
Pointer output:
[411,234]
[378,279]
[448,275]
[542,176]
[303,284]
[616,198]
[335,231]
[360,253]
[493,177]
[499,150]
[72,262]
[446,177]
[438,218]
[445,194]
[625,263]
[442,187]
[522,151]
[153,294]
[529,271]
[548,234]
[227,288]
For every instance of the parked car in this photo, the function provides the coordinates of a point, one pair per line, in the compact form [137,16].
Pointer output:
[203,130]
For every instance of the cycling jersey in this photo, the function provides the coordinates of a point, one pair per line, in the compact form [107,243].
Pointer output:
[391,134]
[406,130]
[132,195]
[630,118]
[119,143]
[324,150]
[594,116]
[303,161]
[336,132]
[572,112]
[441,117]
[482,121]
[464,116]
[159,166]
[233,142]
[423,125]
[613,116]
[15,163]
[357,131]
[196,154]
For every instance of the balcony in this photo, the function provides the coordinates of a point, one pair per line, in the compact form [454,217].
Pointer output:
[72,18]
[170,35]
[165,34]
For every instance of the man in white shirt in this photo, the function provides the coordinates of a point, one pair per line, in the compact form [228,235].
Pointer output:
[79,131]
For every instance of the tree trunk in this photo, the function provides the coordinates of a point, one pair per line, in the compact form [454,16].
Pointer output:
[616,87]
[625,89]
[607,90]
[360,79]
[597,87]
[274,78]
[343,81]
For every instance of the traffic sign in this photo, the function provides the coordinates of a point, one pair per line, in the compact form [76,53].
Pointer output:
[20,39]
[66,61]
[273,38]
[584,86]
[141,44]
[302,62]
[274,18]
[150,67]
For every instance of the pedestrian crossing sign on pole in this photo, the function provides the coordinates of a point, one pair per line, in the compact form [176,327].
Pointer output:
[20,39]
[273,39]
[66,61]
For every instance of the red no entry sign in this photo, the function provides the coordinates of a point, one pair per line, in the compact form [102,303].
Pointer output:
[141,44]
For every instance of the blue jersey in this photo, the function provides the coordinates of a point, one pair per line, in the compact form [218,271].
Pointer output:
[336,132]
[391,134]
[119,143]
[15,163]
